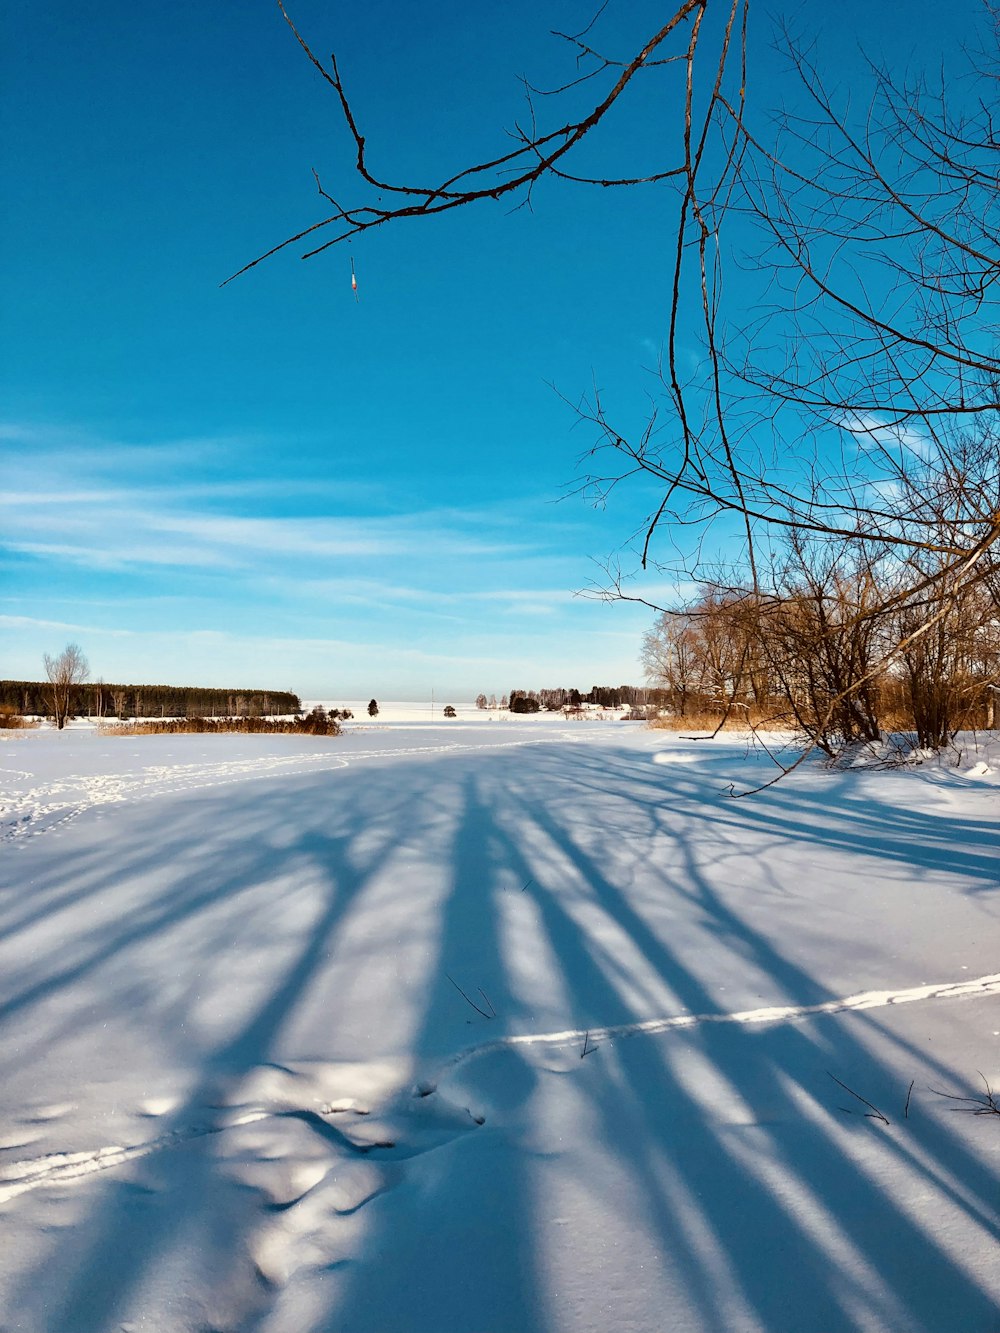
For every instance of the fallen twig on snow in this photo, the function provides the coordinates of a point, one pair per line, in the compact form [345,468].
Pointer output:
[873,1113]
[491,1014]
[983,1105]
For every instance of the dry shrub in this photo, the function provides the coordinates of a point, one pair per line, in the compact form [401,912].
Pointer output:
[739,719]
[10,720]
[316,723]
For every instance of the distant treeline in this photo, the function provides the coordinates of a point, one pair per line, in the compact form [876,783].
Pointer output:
[96,699]
[604,696]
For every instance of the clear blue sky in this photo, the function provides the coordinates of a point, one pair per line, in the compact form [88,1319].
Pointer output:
[268,484]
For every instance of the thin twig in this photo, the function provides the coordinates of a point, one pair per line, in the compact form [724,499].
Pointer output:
[986,1105]
[873,1113]
[470,1001]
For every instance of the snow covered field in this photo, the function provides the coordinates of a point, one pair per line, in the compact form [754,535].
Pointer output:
[492,1027]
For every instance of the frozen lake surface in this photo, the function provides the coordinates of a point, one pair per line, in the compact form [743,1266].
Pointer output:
[484,1027]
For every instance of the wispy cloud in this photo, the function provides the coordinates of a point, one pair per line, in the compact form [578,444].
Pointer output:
[122,528]
[902,439]
[174,556]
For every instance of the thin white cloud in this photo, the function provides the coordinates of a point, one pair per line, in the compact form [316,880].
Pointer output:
[474,592]
[887,434]
[119,534]
[37,622]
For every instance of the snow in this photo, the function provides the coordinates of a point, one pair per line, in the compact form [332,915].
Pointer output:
[510,1024]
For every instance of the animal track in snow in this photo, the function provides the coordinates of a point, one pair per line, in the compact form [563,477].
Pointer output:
[316,1143]
[790,1013]
[43,808]
[288,1116]
[285,1142]
[313,1144]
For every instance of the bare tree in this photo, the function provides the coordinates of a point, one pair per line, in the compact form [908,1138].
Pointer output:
[821,638]
[65,672]
[671,659]
[857,411]
[854,408]
[948,676]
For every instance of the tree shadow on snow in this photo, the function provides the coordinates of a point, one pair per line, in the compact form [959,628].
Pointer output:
[579,888]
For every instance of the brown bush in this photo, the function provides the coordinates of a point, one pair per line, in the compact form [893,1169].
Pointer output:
[739,719]
[316,723]
[10,720]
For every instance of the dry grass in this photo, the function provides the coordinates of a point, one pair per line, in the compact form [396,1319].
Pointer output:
[11,721]
[251,726]
[739,719]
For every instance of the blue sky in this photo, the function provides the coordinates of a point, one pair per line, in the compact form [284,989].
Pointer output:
[268,484]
